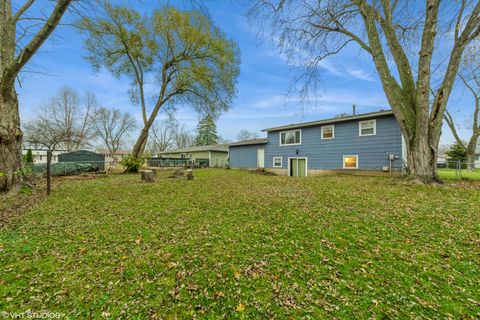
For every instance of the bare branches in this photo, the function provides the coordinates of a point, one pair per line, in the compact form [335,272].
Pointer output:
[112,126]
[13,66]
[22,10]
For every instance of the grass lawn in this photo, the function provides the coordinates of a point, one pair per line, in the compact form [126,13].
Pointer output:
[232,244]
[452,174]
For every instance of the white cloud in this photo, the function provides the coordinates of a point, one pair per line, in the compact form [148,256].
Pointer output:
[360,74]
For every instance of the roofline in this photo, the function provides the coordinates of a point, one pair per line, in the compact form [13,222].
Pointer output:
[249,142]
[190,150]
[332,120]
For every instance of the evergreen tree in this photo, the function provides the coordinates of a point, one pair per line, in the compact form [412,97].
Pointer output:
[455,154]
[207,132]
[28,158]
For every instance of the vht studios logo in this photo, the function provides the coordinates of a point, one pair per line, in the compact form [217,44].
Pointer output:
[44,314]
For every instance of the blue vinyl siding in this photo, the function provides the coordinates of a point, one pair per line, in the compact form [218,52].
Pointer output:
[243,156]
[372,151]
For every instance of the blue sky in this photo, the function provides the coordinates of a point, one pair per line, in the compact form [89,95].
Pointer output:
[264,80]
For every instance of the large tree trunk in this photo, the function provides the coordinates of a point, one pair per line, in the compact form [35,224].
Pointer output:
[422,161]
[11,165]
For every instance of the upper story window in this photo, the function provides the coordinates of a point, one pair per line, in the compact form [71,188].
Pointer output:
[328,132]
[290,137]
[367,128]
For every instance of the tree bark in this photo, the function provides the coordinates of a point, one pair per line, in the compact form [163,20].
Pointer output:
[422,160]
[10,141]
[471,148]
[139,146]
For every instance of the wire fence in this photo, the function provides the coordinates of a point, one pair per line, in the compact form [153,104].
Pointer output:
[70,168]
[458,170]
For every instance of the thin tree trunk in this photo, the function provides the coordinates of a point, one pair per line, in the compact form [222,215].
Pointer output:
[49,172]
[139,147]
[471,148]
[11,165]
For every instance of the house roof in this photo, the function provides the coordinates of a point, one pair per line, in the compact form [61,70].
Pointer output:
[119,152]
[249,142]
[332,120]
[213,147]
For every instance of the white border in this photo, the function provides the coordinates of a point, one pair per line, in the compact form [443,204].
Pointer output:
[333,132]
[306,165]
[281,162]
[350,155]
[374,128]
[290,144]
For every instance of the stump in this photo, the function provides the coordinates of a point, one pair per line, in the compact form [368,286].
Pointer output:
[190,174]
[178,172]
[154,170]
[147,175]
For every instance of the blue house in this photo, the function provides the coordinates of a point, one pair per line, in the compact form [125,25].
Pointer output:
[369,143]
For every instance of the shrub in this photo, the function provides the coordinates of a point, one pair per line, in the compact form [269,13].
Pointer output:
[131,164]
[28,158]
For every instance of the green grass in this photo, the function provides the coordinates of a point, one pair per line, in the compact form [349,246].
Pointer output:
[452,174]
[232,244]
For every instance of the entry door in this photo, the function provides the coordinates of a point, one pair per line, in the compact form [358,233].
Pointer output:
[261,157]
[298,167]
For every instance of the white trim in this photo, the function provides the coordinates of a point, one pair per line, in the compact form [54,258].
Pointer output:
[333,132]
[374,128]
[356,162]
[289,144]
[281,162]
[306,165]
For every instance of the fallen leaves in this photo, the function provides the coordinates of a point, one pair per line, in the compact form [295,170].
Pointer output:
[230,242]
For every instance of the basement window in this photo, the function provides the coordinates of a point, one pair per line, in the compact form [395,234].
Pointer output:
[277,162]
[350,162]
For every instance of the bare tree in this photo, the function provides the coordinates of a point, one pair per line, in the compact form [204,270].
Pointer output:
[385,30]
[76,115]
[18,44]
[162,134]
[182,138]
[246,135]
[112,126]
[47,132]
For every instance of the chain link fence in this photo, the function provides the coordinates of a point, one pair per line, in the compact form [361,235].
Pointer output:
[458,170]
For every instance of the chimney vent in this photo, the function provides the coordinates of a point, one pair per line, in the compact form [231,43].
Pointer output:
[354,107]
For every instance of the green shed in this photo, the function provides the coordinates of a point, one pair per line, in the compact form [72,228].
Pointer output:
[83,156]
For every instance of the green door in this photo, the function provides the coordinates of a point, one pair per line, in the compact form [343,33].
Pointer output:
[302,170]
[298,167]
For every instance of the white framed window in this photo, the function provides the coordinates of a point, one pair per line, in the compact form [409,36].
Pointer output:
[277,162]
[367,128]
[328,132]
[350,162]
[291,137]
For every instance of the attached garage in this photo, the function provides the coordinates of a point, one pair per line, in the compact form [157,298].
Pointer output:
[247,154]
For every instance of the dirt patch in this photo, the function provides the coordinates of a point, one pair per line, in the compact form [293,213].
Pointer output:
[12,206]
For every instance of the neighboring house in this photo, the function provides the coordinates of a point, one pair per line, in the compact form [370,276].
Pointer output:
[118,156]
[40,155]
[368,143]
[216,155]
